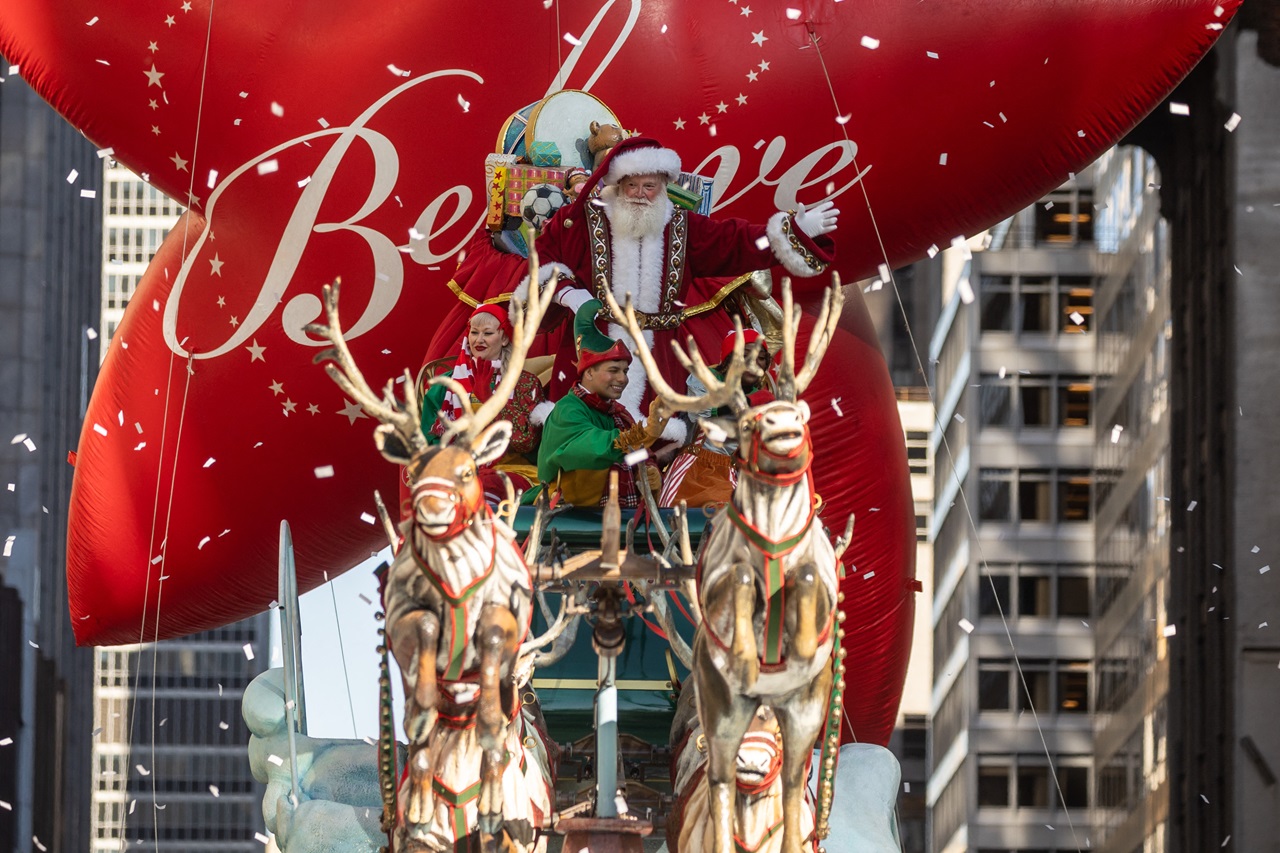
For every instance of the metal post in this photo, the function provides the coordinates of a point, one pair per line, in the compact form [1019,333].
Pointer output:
[607,739]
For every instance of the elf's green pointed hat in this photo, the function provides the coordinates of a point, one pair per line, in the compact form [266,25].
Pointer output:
[594,346]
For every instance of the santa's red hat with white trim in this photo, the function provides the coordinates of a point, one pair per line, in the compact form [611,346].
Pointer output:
[636,155]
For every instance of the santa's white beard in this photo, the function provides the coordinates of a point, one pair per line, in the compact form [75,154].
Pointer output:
[636,219]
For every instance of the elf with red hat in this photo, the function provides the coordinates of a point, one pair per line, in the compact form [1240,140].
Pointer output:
[589,433]
[634,241]
[486,349]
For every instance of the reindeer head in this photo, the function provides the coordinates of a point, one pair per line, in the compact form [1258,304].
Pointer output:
[759,758]
[773,437]
[445,479]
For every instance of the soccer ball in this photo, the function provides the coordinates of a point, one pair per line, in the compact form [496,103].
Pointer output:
[540,203]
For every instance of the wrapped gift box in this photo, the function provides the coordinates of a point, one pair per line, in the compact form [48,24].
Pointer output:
[522,178]
[546,154]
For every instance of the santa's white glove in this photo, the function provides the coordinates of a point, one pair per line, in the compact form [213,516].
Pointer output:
[573,298]
[817,220]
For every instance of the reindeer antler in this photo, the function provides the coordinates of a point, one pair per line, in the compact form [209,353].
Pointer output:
[525,319]
[402,417]
[719,393]
[791,386]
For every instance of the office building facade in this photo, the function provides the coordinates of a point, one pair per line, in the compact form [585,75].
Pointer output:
[1015,372]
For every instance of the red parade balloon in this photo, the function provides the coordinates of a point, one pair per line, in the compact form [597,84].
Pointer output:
[322,139]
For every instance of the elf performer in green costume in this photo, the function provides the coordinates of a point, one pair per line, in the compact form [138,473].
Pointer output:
[589,433]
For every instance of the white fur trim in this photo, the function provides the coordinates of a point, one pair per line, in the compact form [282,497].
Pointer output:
[676,430]
[541,412]
[643,161]
[790,259]
[637,379]
[545,271]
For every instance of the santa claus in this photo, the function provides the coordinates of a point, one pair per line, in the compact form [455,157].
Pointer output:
[673,263]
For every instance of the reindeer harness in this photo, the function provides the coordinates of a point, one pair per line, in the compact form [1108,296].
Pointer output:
[773,551]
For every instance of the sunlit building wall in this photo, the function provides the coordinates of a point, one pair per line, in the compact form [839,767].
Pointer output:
[1014,376]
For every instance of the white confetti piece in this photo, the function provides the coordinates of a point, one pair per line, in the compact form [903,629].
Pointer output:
[932,251]
[91,333]
[208,462]
[399,72]
[276,760]
[36,841]
[8,546]
[464,103]
[835,404]
[262,838]
[142,770]
[213,178]
[635,457]
[1263,625]
[367,518]
[1077,318]
[302,183]
[572,39]
[1255,549]
[1264,569]
[870,43]
[6,741]
[959,418]
[104,153]
[266,167]
[203,542]
[1191,507]
[965,288]
[276,109]
[12,487]
[5,806]
[248,651]
[94,20]
[1170,630]
[966,626]
[324,472]
[844,119]
[869,575]
[931,54]
[1232,123]
[762,243]
[18,438]
[1115,433]
[224,726]
[71,178]
[942,159]
[29,445]
[1179,109]
[1079,133]
[213,789]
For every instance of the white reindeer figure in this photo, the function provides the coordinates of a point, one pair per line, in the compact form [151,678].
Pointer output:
[458,603]
[767,572]
[757,794]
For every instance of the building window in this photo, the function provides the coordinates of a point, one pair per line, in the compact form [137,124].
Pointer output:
[1035,400]
[1044,494]
[1044,591]
[918,451]
[1065,218]
[993,785]
[994,679]
[1036,304]
[1033,781]
[994,487]
[1040,685]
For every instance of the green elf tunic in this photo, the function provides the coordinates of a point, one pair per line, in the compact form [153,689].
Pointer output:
[580,444]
